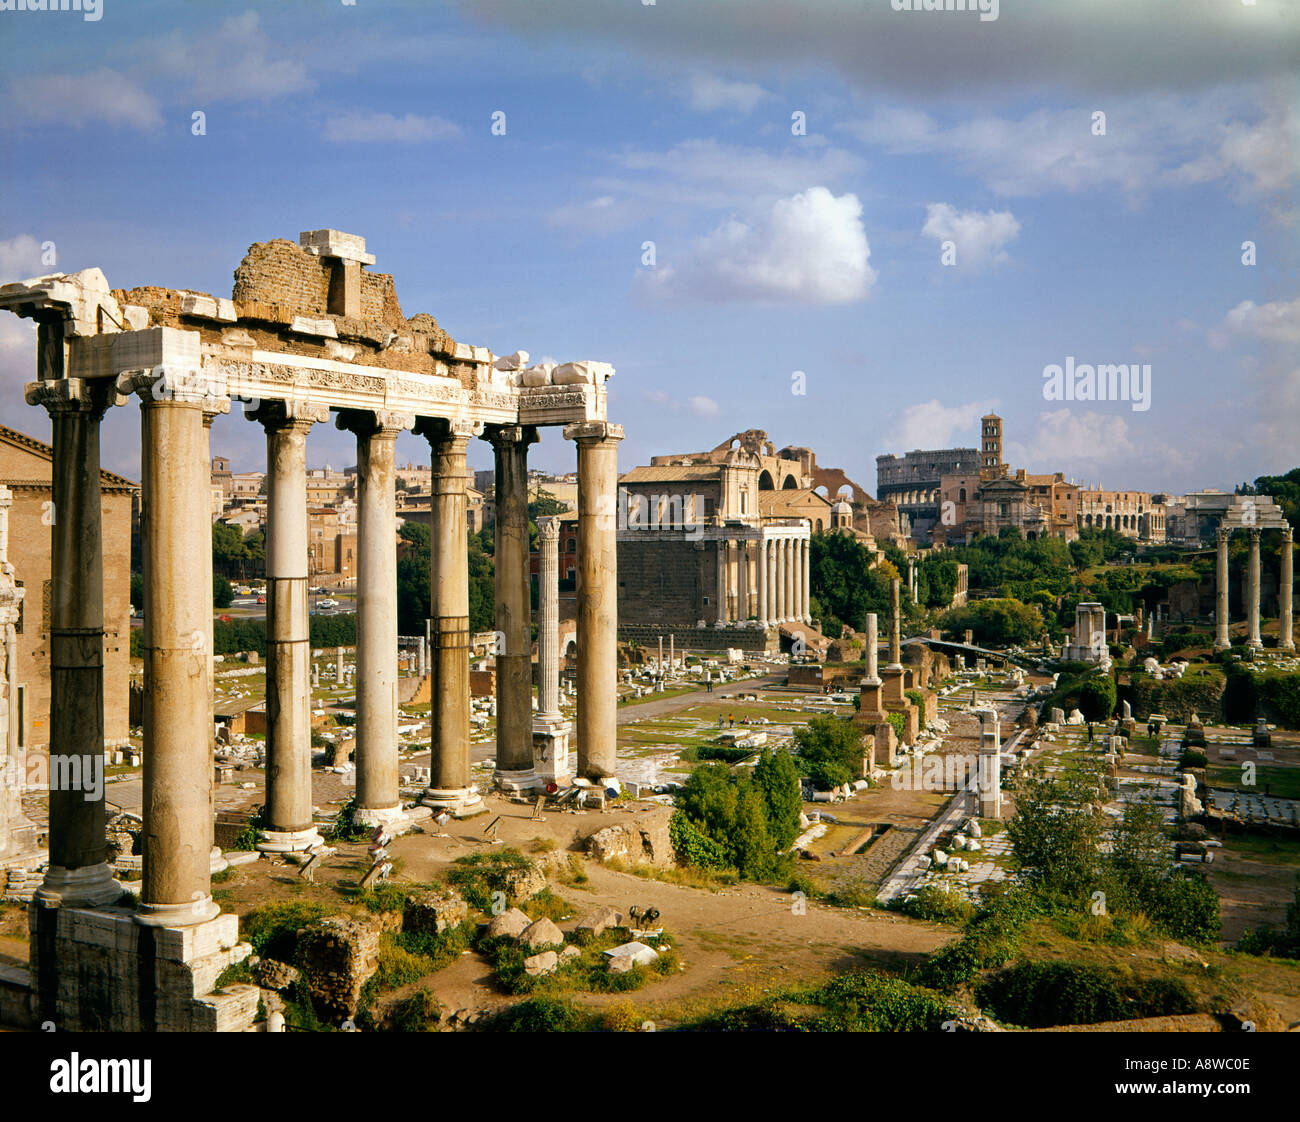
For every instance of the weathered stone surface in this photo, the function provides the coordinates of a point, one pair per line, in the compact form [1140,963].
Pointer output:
[644,838]
[338,957]
[540,964]
[569,953]
[542,933]
[274,975]
[432,913]
[596,921]
[525,883]
[512,923]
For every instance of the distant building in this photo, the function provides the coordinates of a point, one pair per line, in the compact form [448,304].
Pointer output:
[914,482]
[1134,514]
[26,468]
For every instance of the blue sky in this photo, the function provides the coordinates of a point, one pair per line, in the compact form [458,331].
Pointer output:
[775,249]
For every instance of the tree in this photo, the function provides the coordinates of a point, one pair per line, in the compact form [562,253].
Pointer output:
[229,553]
[222,593]
[1096,697]
[1056,833]
[777,777]
[729,810]
[995,623]
[829,751]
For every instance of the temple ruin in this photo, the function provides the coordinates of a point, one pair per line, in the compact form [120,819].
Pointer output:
[308,331]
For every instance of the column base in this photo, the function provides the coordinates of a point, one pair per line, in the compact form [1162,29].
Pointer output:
[379,816]
[1222,645]
[552,762]
[1286,646]
[515,782]
[216,862]
[88,887]
[462,802]
[188,914]
[290,841]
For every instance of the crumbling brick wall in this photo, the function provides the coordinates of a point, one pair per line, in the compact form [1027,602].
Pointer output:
[279,272]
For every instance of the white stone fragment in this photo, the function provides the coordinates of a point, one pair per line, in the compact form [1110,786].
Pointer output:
[314,325]
[582,373]
[539,375]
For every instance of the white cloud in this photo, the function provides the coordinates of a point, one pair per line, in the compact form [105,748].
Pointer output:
[102,97]
[20,259]
[385,128]
[1276,322]
[1066,436]
[810,248]
[931,424]
[232,62]
[602,215]
[704,406]
[709,93]
[979,238]
[1150,142]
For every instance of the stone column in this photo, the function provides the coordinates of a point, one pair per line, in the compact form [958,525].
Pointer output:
[742,579]
[990,766]
[1222,640]
[895,627]
[449,762]
[217,862]
[1286,638]
[762,582]
[550,730]
[873,645]
[175,533]
[378,800]
[806,593]
[722,580]
[791,596]
[288,810]
[597,596]
[778,579]
[78,872]
[514,666]
[1253,639]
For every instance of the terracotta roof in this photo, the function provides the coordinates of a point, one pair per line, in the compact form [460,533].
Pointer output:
[672,473]
[46,452]
[790,499]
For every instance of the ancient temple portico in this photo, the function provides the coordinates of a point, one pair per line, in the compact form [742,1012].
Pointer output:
[1253,514]
[307,332]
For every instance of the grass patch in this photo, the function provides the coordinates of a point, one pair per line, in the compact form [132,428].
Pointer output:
[479,875]
[272,929]
[587,972]
[687,876]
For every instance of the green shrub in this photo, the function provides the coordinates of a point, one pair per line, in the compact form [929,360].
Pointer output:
[1043,994]
[479,875]
[346,828]
[272,929]
[935,904]
[541,1014]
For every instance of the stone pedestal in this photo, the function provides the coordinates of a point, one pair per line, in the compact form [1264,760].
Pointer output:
[100,970]
[990,765]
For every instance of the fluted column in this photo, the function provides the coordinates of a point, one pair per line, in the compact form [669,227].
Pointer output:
[378,800]
[211,410]
[762,582]
[449,761]
[176,532]
[805,550]
[1286,639]
[597,596]
[742,581]
[1253,639]
[873,649]
[1222,640]
[78,872]
[288,810]
[791,601]
[722,580]
[514,671]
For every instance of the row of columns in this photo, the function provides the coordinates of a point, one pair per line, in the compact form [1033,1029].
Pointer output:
[176,412]
[782,567]
[1222,639]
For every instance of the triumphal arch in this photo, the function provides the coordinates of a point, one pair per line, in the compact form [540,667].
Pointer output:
[308,332]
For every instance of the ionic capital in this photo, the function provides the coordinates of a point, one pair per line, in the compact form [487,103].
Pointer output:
[292,413]
[174,385]
[61,396]
[382,423]
[593,431]
[447,435]
[504,435]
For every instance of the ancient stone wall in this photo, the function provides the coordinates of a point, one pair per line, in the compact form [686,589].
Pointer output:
[663,583]
[279,272]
